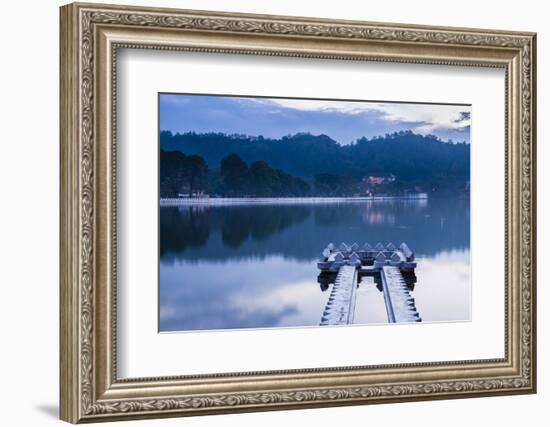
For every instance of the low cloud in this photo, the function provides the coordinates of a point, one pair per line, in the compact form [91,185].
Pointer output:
[423,118]
[344,121]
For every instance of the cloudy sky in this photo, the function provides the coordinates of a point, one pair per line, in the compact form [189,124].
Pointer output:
[344,121]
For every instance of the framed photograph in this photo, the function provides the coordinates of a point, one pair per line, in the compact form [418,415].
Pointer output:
[266,212]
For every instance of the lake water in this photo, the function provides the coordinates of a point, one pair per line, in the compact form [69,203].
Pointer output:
[255,266]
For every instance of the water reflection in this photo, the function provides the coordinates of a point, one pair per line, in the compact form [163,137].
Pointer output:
[255,266]
[228,232]
[444,293]
[269,293]
[370,303]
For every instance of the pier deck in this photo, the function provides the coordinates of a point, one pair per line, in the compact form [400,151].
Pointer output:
[391,266]
[400,304]
[340,307]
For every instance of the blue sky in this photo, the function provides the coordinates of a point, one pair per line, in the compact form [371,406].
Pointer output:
[344,121]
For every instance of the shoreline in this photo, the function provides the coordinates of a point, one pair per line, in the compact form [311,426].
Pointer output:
[282,200]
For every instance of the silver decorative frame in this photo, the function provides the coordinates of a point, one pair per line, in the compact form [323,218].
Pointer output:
[90,36]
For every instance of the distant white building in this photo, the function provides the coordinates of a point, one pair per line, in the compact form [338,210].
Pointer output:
[379,179]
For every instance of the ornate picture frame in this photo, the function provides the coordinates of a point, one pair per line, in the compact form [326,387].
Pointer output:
[90,37]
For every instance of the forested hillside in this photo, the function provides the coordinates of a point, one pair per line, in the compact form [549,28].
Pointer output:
[305,164]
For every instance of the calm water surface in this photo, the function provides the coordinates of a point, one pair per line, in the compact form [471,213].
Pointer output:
[254,266]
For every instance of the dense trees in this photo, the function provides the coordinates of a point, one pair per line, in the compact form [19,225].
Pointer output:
[235,174]
[305,164]
[264,180]
[197,173]
[407,155]
[327,184]
[181,174]
[259,180]
[172,173]
[292,185]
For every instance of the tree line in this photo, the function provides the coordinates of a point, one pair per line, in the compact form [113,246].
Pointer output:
[407,155]
[306,164]
[259,179]
[181,174]
[190,175]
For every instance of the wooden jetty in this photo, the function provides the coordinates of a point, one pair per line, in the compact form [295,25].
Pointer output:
[400,305]
[388,264]
[341,302]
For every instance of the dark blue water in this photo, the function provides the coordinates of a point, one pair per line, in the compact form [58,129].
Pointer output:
[254,266]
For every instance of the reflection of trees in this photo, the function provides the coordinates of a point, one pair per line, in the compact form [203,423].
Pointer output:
[235,228]
[273,220]
[180,229]
[333,214]
[301,231]
[191,226]
[258,222]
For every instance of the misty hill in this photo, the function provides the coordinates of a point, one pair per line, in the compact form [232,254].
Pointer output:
[409,156]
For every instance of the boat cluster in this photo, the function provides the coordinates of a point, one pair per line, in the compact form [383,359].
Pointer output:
[366,256]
